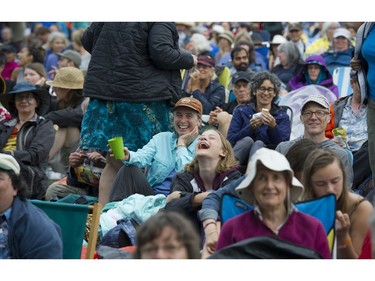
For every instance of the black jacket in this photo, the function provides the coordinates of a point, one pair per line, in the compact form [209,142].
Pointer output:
[34,141]
[134,61]
[67,117]
[183,182]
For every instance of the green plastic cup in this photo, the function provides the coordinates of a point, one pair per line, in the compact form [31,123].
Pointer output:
[117,146]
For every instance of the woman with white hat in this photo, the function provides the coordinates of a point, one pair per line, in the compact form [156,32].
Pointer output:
[273,58]
[270,186]
[67,113]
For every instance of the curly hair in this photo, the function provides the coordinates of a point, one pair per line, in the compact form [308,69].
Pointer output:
[260,77]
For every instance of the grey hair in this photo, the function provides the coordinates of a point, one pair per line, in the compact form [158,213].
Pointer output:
[293,55]
[201,42]
[57,35]
[323,32]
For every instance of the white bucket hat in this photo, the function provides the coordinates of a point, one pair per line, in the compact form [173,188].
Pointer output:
[9,163]
[274,161]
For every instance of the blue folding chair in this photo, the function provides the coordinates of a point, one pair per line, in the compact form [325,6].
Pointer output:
[341,78]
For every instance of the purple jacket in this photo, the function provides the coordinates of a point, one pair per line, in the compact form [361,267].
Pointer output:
[301,229]
[299,80]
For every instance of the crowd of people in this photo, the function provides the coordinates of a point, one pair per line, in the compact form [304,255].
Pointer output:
[199,106]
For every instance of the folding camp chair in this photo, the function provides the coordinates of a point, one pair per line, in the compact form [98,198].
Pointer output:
[72,219]
[223,75]
[341,78]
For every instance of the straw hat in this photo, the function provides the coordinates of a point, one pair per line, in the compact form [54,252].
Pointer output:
[68,78]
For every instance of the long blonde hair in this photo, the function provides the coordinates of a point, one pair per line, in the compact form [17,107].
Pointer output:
[318,159]
[225,163]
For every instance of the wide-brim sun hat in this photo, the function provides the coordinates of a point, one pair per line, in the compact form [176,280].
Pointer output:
[274,161]
[26,87]
[68,78]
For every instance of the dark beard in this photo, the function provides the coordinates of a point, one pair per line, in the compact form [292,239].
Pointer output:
[242,67]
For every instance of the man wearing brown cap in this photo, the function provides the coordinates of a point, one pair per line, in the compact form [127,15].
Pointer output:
[165,155]
[315,115]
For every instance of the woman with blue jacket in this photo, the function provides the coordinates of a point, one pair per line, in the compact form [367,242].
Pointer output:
[260,123]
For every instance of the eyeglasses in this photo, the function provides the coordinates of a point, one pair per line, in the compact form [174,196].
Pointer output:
[269,90]
[24,97]
[319,114]
[152,250]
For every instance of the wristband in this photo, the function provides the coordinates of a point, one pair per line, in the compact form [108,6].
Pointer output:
[211,222]
[180,145]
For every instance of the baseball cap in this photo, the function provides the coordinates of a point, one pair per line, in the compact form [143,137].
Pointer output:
[206,60]
[341,32]
[190,103]
[241,75]
[9,163]
[294,26]
[72,55]
[274,161]
[7,48]
[319,99]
